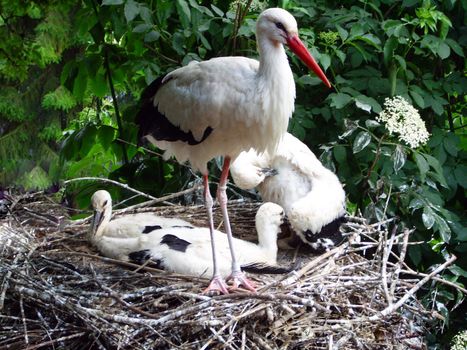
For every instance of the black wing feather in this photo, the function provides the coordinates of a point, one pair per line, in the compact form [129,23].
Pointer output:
[154,123]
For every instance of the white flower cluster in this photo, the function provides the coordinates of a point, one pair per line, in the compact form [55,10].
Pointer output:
[402,118]
[255,5]
[459,342]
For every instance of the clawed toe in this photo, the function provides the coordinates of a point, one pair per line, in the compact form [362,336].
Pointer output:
[216,286]
[240,280]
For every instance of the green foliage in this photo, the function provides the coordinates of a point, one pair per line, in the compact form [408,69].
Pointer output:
[73,73]
[60,99]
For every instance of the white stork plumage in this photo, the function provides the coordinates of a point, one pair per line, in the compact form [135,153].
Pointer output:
[312,196]
[176,246]
[125,230]
[224,106]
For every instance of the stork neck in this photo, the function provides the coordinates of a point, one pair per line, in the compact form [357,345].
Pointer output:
[273,61]
[267,238]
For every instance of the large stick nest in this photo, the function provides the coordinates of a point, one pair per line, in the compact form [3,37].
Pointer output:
[57,292]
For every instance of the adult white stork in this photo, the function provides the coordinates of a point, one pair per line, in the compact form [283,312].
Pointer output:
[312,196]
[175,245]
[223,106]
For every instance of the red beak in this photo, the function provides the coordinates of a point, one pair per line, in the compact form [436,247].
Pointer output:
[301,51]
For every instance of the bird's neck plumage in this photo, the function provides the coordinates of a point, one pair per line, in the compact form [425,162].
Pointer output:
[276,87]
[267,238]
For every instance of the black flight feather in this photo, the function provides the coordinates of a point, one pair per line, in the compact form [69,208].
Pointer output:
[141,256]
[175,243]
[154,123]
[266,269]
[150,228]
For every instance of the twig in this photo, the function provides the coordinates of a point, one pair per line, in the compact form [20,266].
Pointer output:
[101,179]
[390,309]
[159,200]
[400,260]
[386,252]
[58,340]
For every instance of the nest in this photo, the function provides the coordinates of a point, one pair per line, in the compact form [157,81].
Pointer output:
[57,292]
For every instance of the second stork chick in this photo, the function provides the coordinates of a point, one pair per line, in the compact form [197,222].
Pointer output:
[177,246]
[312,196]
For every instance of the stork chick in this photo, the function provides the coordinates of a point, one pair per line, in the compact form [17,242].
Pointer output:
[176,246]
[312,196]
[124,232]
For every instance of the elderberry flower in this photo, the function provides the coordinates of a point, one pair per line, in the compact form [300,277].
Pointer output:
[400,117]
[328,38]
[459,342]
[255,5]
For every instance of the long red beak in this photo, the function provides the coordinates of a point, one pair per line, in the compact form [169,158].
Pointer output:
[301,51]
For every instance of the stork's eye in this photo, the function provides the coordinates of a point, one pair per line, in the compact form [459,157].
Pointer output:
[105,203]
[280,26]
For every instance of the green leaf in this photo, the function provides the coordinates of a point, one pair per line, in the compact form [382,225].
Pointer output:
[341,55]
[326,160]
[410,3]
[309,80]
[362,105]
[422,165]
[131,10]
[325,61]
[142,28]
[60,99]
[367,103]
[112,2]
[342,33]
[401,61]
[443,228]
[370,39]
[361,141]
[340,100]
[443,50]
[457,271]
[151,36]
[80,83]
[340,154]
[356,30]
[217,10]
[399,158]
[460,174]
[389,47]
[451,144]
[455,47]
[416,203]
[146,13]
[436,165]
[417,98]
[184,13]
[98,85]
[371,124]
[106,134]
[428,217]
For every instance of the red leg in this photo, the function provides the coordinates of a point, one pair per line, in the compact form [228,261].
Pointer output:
[217,284]
[237,276]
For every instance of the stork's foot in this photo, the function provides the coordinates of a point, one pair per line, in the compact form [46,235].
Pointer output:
[239,279]
[217,286]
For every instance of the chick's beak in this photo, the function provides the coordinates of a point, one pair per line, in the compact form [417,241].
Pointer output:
[96,221]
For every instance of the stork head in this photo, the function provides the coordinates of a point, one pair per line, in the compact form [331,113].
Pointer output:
[280,27]
[268,220]
[101,202]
